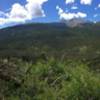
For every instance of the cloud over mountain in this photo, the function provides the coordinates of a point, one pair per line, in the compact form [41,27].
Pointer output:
[71,19]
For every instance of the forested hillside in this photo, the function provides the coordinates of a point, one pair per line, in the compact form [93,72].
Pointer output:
[54,38]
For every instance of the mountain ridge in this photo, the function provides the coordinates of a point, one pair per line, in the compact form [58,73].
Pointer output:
[52,38]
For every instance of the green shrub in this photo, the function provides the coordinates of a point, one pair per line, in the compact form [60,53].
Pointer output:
[55,80]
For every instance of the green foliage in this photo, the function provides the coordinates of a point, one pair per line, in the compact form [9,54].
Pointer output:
[55,80]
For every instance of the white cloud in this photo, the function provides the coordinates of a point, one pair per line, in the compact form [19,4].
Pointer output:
[97,7]
[2,21]
[21,13]
[60,10]
[68,15]
[10,20]
[2,13]
[86,2]
[74,7]
[70,1]
[34,7]
[71,19]
[17,12]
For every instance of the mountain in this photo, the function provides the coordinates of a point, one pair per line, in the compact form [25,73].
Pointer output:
[52,38]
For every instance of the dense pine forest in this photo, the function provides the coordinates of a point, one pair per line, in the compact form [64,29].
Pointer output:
[50,61]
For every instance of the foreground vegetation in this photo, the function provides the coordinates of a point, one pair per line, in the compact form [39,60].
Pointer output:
[49,80]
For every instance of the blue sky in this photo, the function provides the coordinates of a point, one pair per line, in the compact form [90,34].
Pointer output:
[22,11]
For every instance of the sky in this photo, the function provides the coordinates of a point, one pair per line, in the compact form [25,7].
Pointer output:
[24,11]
